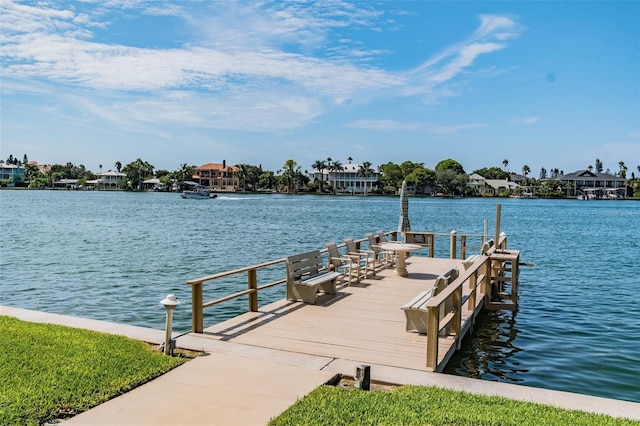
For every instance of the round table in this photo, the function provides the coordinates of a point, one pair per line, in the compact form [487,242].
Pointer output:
[401,250]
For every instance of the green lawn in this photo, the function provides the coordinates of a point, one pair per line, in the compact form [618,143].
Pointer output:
[50,371]
[418,405]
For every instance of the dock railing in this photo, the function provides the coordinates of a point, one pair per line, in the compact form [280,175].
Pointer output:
[458,243]
[253,288]
[197,287]
[461,305]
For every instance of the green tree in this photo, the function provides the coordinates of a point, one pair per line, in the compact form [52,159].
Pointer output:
[623,170]
[289,177]
[267,180]
[451,182]
[450,164]
[185,172]
[408,167]
[118,166]
[364,170]
[391,177]
[543,173]
[599,166]
[320,166]
[505,163]
[421,177]
[492,173]
[450,175]
[334,166]
[249,176]
[31,172]
[137,171]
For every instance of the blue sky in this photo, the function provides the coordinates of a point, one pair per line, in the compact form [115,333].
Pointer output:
[546,84]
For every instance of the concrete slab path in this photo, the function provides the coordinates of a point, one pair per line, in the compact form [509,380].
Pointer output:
[215,389]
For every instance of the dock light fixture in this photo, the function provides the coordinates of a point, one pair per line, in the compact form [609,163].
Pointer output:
[170,303]
[363,377]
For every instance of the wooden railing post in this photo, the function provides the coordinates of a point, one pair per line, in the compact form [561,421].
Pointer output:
[252,284]
[473,284]
[433,323]
[197,316]
[432,244]
[485,286]
[453,245]
[463,246]
[456,324]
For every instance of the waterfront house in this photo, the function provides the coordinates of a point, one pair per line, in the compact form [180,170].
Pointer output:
[490,186]
[67,183]
[109,180]
[218,177]
[11,173]
[596,185]
[348,180]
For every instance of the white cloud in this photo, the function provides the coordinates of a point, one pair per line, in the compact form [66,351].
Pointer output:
[440,129]
[383,125]
[463,59]
[526,121]
[271,64]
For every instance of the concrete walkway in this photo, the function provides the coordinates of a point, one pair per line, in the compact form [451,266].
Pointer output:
[235,384]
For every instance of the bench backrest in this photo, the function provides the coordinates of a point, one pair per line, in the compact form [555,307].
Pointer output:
[334,255]
[445,279]
[299,265]
[486,246]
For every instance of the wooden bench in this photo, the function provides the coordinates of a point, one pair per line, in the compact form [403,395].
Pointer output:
[415,310]
[306,275]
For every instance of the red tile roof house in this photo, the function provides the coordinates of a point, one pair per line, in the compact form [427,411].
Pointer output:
[218,177]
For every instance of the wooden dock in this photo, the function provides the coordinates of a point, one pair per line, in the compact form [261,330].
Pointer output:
[362,323]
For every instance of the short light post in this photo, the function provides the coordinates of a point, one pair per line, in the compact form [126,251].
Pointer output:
[170,303]
[363,377]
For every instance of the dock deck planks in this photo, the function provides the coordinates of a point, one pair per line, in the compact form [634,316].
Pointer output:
[362,323]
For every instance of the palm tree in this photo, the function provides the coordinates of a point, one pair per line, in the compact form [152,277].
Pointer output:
[365,170]
[590,167]
[334,166]
[290,168]
[526,170]
[505,163]
[118,166]
[242,174]
[599,166]
[623,170]
[320,166]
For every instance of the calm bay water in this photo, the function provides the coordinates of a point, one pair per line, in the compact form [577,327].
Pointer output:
[114,256]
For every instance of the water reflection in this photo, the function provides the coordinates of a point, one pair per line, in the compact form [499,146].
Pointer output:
[487,352]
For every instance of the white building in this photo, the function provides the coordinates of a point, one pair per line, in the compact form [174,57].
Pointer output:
[109,180]
[348,180]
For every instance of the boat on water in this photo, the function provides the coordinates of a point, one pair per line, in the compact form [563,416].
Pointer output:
[199,192]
